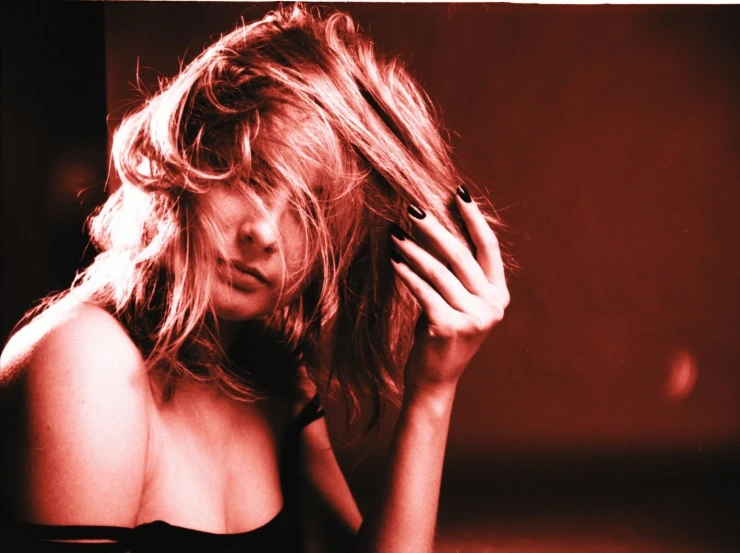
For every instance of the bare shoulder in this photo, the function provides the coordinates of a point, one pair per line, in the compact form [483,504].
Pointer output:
[75,402]
[70,329]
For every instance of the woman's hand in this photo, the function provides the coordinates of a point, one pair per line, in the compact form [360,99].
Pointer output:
[461,300]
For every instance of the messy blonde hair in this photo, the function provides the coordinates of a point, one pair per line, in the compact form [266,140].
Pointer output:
[297,104]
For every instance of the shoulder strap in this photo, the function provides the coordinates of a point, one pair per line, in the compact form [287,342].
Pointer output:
[310,412]
[67,538]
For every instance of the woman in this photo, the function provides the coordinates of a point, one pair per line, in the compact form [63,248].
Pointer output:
[288,220]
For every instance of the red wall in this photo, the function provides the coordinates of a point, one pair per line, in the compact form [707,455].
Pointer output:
[607,136]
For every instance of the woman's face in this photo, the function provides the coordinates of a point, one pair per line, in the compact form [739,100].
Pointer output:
[251,270]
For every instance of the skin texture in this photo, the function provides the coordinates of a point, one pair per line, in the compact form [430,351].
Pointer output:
[461,304]
[253,238]
[63,397]
[89,442]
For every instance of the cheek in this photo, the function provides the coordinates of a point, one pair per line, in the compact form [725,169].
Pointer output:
[295,257]
[294,246]
[213,226]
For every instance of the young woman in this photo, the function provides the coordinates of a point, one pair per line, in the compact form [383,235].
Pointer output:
[288,220]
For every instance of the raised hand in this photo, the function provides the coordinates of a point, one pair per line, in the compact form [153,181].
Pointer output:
[461,300]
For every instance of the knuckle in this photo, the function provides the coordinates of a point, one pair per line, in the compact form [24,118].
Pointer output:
[499,313]
[459,254]
[505,298]
[494,315]
[492,248]
[492,240]
[436,274]
[499,297]
[478,324]
[441,332]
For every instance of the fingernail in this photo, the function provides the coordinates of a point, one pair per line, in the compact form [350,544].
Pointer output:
[416,212]
[396,256]
[463,193]
[398,232]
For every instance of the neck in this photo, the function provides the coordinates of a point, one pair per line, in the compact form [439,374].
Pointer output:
[228,330]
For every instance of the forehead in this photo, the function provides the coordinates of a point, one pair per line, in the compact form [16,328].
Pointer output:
[287,153]
[277,174]
[288,149]
[239,197]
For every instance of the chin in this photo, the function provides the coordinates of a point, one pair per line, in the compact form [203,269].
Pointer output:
[233,305]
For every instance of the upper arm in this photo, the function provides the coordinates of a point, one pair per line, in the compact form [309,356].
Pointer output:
[74,432]
[330,514]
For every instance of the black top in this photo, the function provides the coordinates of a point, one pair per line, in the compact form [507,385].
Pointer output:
[281,534]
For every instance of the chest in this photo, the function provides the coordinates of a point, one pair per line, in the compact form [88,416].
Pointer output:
[214,464]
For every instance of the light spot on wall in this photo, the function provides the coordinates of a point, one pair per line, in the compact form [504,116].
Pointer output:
[682,375]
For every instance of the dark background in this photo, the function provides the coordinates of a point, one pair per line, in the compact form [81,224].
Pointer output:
[605,409]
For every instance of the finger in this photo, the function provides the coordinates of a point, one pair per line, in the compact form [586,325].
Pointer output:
[431,302]
[435,273]
[453,250]
[487,250]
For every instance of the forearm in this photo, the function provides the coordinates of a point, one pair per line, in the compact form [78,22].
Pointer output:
[405,514]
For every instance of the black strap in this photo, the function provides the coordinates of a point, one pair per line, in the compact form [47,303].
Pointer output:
[310,412]
[49,532]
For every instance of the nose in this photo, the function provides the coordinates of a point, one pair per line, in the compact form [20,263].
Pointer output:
[260,229]
[259,234]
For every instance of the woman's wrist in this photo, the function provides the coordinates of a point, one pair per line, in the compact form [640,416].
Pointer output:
[435,398]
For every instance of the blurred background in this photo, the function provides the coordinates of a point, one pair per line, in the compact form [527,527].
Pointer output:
[603,414]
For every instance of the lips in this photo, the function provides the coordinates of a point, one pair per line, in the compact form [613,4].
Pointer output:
[240,268]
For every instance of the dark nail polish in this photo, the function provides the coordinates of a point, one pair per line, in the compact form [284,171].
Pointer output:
[463,193]
[398,232]
[396,256]
[416,212]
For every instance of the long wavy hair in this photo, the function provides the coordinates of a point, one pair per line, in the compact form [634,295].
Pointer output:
[297,104]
